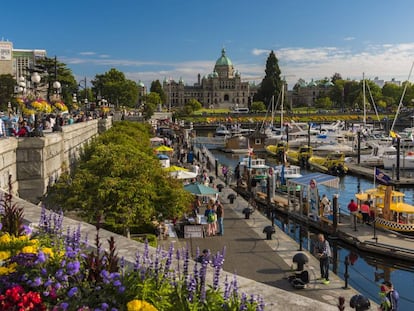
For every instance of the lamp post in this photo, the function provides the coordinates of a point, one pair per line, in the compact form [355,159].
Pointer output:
[35,78]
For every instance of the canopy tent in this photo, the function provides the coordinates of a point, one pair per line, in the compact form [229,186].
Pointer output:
[175,168]
[183,174]
[156,140]
[200,189]
[309,193]
[161,156]
[164,148]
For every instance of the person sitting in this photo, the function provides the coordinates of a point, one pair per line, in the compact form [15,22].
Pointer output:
[204,256]
[24,130]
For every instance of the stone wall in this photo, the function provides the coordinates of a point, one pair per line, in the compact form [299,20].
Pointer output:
[37,162]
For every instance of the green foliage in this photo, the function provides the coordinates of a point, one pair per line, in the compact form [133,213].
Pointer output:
[12,216]
[156,87]
[151,101]
[119,176]
[323,102]
[114,87]
[258,107]
[271,84]
[7,84]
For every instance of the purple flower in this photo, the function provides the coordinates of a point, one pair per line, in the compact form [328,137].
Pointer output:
[104,306]
[64,305]
[72,292]
[73,267]
[41,257]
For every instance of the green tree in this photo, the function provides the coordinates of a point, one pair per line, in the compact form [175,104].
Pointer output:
[271,84]
[7,84]
[151,101]
[114,87]
[156,87]
[119,178]
[55,70]
[258,106]
[392,92]
[323,102]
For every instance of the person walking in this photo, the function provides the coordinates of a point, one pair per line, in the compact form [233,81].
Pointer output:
[365,209]
[353,210]
[322,251]
[390,297]
[220,214]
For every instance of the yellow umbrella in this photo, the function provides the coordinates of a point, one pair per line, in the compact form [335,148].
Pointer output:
[175,168]
[164,148]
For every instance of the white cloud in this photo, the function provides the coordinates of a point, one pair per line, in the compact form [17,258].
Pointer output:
[385,61]
[349,38]
[87,53]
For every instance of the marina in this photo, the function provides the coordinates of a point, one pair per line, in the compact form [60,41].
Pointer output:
[371,266]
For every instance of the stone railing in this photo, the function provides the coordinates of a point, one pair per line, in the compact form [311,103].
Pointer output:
[35,163]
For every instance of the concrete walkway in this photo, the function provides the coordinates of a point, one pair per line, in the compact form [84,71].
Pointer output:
[250,255]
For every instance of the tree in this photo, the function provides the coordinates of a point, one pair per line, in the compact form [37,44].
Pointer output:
[258,106]
[156,87]
[323,102]
[7,84]
[114,87]
[271,84]
[151,101]
[392,92]
[336,76]
[119,178]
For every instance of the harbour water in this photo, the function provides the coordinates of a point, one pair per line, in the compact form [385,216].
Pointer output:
[366,271]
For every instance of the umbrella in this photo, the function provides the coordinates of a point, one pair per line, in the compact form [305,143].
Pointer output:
[175,168]
[183,174]
[162,156]
[199,189]
[163,148]
[156,140]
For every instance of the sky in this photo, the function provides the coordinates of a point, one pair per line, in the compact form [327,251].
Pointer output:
[173,39]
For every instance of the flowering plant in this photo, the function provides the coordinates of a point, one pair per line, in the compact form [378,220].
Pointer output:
[60,106]
[32,106]
[48,270]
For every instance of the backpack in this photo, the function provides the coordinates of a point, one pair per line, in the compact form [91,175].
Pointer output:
[210,217]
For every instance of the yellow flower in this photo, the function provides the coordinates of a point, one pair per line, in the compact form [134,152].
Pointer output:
[48,251]
[5,238]
[4,255]
[29,249]
[7,270]
[140,305]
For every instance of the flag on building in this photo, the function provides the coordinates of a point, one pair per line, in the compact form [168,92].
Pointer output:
[382,178]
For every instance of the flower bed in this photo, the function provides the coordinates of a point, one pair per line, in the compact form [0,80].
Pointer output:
[45,269]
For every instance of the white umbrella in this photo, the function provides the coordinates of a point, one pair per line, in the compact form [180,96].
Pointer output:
[183,174]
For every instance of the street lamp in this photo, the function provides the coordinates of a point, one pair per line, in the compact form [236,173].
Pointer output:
[35,78]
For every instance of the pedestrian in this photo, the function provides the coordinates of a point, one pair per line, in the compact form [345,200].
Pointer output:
[322,251]
[220,215]
[365,209]
[204,256]
[210,218]
[389,297]
[353,210]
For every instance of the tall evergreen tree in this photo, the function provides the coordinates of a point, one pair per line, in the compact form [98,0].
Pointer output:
[272,83]
[156,87]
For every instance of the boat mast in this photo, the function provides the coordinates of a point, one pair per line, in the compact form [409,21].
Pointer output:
[363,94]
[281,104]
[402,96]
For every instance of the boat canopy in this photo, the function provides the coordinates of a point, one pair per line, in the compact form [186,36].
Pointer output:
[320,178]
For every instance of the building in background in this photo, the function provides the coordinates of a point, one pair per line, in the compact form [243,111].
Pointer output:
[223,88]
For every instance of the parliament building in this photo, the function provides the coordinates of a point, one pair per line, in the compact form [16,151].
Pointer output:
[223,88]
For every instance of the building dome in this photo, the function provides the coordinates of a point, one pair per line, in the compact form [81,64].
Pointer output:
[141,84]
[223,60]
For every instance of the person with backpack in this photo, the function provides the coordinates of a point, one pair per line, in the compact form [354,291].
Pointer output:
[389,297]
[210,217]
[323,253]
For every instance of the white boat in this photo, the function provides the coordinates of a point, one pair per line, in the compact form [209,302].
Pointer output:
[288,171]
[377,154]
[258,167]
[222,131]
[406,160]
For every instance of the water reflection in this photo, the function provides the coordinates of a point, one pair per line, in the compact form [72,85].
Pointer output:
[366,271]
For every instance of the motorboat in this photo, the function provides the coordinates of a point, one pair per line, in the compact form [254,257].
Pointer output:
[257,167]
[222,131]
[389,159]
[333,163]
[301,156]
[388,209]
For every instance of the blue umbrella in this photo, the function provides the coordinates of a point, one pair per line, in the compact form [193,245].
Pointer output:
[199,189]
[162,156]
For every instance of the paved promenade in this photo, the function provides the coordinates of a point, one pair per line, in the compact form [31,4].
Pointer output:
[250,255]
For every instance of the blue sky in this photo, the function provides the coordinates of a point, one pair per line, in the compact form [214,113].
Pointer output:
[149,40]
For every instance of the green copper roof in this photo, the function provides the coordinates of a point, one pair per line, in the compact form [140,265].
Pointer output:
[223,60]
